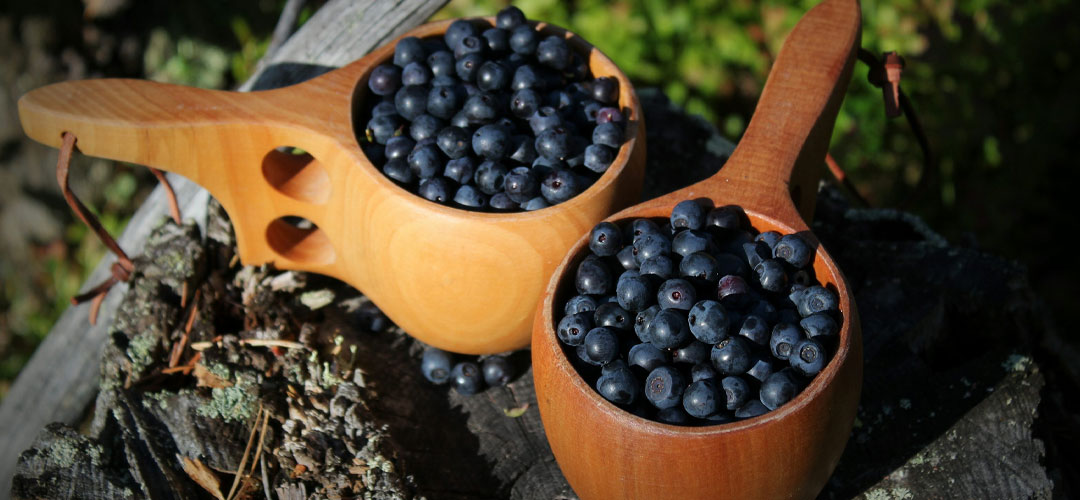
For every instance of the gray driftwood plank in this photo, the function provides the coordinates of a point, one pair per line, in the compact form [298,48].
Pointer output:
[60,380]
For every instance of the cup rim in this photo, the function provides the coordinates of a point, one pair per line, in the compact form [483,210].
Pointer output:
[547,339]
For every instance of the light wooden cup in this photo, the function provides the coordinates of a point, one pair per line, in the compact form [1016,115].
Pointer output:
[606,452]
[460,280]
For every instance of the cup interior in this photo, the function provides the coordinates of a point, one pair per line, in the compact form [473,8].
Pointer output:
[600,65]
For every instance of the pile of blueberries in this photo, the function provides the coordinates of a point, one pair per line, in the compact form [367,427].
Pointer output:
[698,321]
[492,118]
[468,375]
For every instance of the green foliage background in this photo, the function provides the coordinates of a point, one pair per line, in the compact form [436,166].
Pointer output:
[993,82]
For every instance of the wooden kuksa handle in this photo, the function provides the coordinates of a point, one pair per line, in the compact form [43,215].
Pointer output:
[780,158]
[227,142]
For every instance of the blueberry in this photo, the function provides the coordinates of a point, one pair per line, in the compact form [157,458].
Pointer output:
[411,101]
[501,202]
[520,184]
[664,387]
[609,115]
[752,408]
[441,63]
[492,76]
[583,355]
[543,119]
[524,39]
[676,294]
[669,329]
[700,399]
[472,44]
[778,389]
[646,356]
[509,18]
[522,151]
[574,327]
[761,368]
[399,147]
[580,303]
[817,299]
[702,371]
[457,30]
[601,344]
[732,356]
[618,384]
[688,214]
[535,204]
[460,120]
[552,143]
[659,266]
[561,185]
[793,249]
[497,371]
[491,142]
[642,321]
[605,239]
[770,238]
[804,277]
[425,126]
[467,67]
[608,134]
[527,77]
[756,252]
[736,391]
[553,52]
[771,275]
[755,330]
[725,218]
[466,378]
[453,142]
[559,99]
[436,365]
[524,103]
[709,321]
[383,127]
[416,73]
[490,177]
[642,227]
[593,277]
[385,79]
[468,196]
[605,90]
[651,245]
[700,265]
[384,107]
[426,161]
[460,169]
[611,315]
[808,357]
[398,170]
[598,158]
[436,189]
[819,325]
[783,340]
[409,49]
[443,101]
[675,415]
[626,257]
[693,353]
[498,40]
[690,241]
[731,285]
[729,264]
[633,293]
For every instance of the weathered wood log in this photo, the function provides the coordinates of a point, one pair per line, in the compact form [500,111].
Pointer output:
[61,378]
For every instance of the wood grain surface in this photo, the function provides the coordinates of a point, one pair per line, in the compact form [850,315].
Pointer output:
[604,451]
[460,280]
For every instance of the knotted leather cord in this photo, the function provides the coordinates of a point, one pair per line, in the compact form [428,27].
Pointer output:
[123,267]
[885,75]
